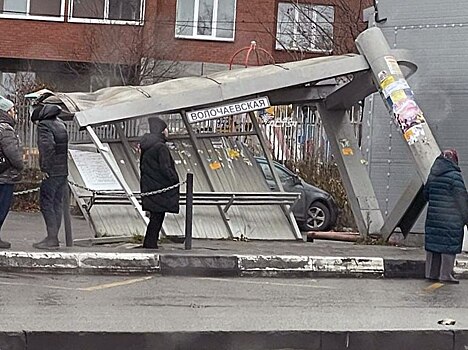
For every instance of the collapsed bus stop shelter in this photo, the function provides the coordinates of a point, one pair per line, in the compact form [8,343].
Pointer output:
[227,168]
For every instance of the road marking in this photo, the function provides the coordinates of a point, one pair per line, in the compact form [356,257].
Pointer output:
[433,287]
[35,285]
[115,284]
[270,283]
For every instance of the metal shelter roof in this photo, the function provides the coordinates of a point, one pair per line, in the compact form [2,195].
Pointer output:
[119,103]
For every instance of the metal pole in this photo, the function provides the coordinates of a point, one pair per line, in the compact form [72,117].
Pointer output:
[66,217]
[399,99]
[189,212]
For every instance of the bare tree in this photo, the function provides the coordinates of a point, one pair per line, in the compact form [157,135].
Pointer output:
[124,55]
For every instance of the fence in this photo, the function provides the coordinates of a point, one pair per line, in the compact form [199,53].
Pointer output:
[294,133]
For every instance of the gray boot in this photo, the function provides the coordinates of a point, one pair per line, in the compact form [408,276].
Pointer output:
[446,269]
[433,261]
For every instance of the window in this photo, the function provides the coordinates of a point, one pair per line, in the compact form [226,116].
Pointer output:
[10,83]
[107,11]
[206,19]
[33,9]
[304,27]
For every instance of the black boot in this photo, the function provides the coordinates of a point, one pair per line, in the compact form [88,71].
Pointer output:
[5,245]
[47,243]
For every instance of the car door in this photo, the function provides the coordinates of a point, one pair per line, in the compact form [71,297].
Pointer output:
[292,183]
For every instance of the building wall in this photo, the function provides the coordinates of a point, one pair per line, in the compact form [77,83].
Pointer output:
[437,37]
[63,41]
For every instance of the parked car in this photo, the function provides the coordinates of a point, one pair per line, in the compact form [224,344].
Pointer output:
[316,210]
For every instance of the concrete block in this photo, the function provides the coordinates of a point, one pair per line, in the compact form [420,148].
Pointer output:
[38,260]
[119,262]
[12,341]
[196,265]
[347,266]
[461,268]
[388,340]
[402,268]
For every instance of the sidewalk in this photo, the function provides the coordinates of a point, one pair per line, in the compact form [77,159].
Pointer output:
[209,257]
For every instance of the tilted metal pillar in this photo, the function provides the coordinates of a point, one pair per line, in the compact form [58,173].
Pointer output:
[400,101]
[353,171]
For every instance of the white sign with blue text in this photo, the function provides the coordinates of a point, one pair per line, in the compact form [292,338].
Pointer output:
[230,109]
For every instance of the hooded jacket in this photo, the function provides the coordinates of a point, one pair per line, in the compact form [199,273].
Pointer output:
[158,171]
[11,149]
[52,141]
[448,207]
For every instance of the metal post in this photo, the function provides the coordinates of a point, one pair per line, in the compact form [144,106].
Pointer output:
[66,217]
[356,181]
[114,168]
[189,212]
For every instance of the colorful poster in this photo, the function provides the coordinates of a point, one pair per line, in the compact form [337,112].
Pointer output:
[414,134]
[392,65]
[408,114]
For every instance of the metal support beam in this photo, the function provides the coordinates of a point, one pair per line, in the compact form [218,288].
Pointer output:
[266,152]
[404,205]
[114,168]
[353,171]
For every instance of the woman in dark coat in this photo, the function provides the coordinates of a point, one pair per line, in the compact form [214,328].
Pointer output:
[446,216]
[158,171]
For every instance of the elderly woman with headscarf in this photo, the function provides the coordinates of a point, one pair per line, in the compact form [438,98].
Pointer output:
[158,172]
[446,216]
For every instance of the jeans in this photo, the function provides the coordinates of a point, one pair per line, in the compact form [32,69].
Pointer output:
[6,196]
[50,200]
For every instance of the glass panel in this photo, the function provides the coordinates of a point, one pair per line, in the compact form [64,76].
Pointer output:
[45,8]
[185,17]
[306,28]
[226,19]
[325,19]
[88,9]
[285,26]
[283,175]
[14,7]
[125,10]
[205,17]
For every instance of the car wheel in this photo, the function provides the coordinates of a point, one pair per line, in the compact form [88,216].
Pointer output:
[318,217]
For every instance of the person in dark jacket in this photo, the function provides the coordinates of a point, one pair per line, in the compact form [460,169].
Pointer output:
[11,155]
[446,216]
[52,141]
[158,171]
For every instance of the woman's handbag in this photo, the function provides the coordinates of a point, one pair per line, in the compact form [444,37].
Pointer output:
[4,164]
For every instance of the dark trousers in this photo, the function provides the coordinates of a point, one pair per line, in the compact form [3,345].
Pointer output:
[50,200]
[6,196]
[153,229]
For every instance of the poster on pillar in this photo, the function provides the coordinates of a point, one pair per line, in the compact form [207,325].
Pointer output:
[400,99]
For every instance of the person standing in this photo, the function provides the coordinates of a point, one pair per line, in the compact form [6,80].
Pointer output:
[446,216]
[157,171]
[11,155]
[52,141]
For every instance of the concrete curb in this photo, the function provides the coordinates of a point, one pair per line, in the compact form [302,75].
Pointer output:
[253,340]
[218,265]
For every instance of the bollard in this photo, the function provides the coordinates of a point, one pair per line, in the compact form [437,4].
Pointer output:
[66,217]
[189,212]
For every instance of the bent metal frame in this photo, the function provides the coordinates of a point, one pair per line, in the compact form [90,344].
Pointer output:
[376,69]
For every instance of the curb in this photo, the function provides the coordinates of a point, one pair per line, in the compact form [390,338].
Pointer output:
[218,265]
[253,340]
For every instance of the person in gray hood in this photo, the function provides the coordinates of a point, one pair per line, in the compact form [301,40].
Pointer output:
[11,159]
[52,141]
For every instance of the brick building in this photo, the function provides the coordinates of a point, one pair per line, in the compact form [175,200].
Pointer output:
[83,45]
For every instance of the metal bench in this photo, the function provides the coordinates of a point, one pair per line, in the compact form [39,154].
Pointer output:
[224,199]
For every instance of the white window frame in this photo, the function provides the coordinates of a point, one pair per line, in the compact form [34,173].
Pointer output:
[281,47]
[60,18]
[213,36]
[106,20]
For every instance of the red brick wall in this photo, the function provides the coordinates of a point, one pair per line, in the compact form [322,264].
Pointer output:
[61,41]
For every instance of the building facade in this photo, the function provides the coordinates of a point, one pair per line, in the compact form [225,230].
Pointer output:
[83,45]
